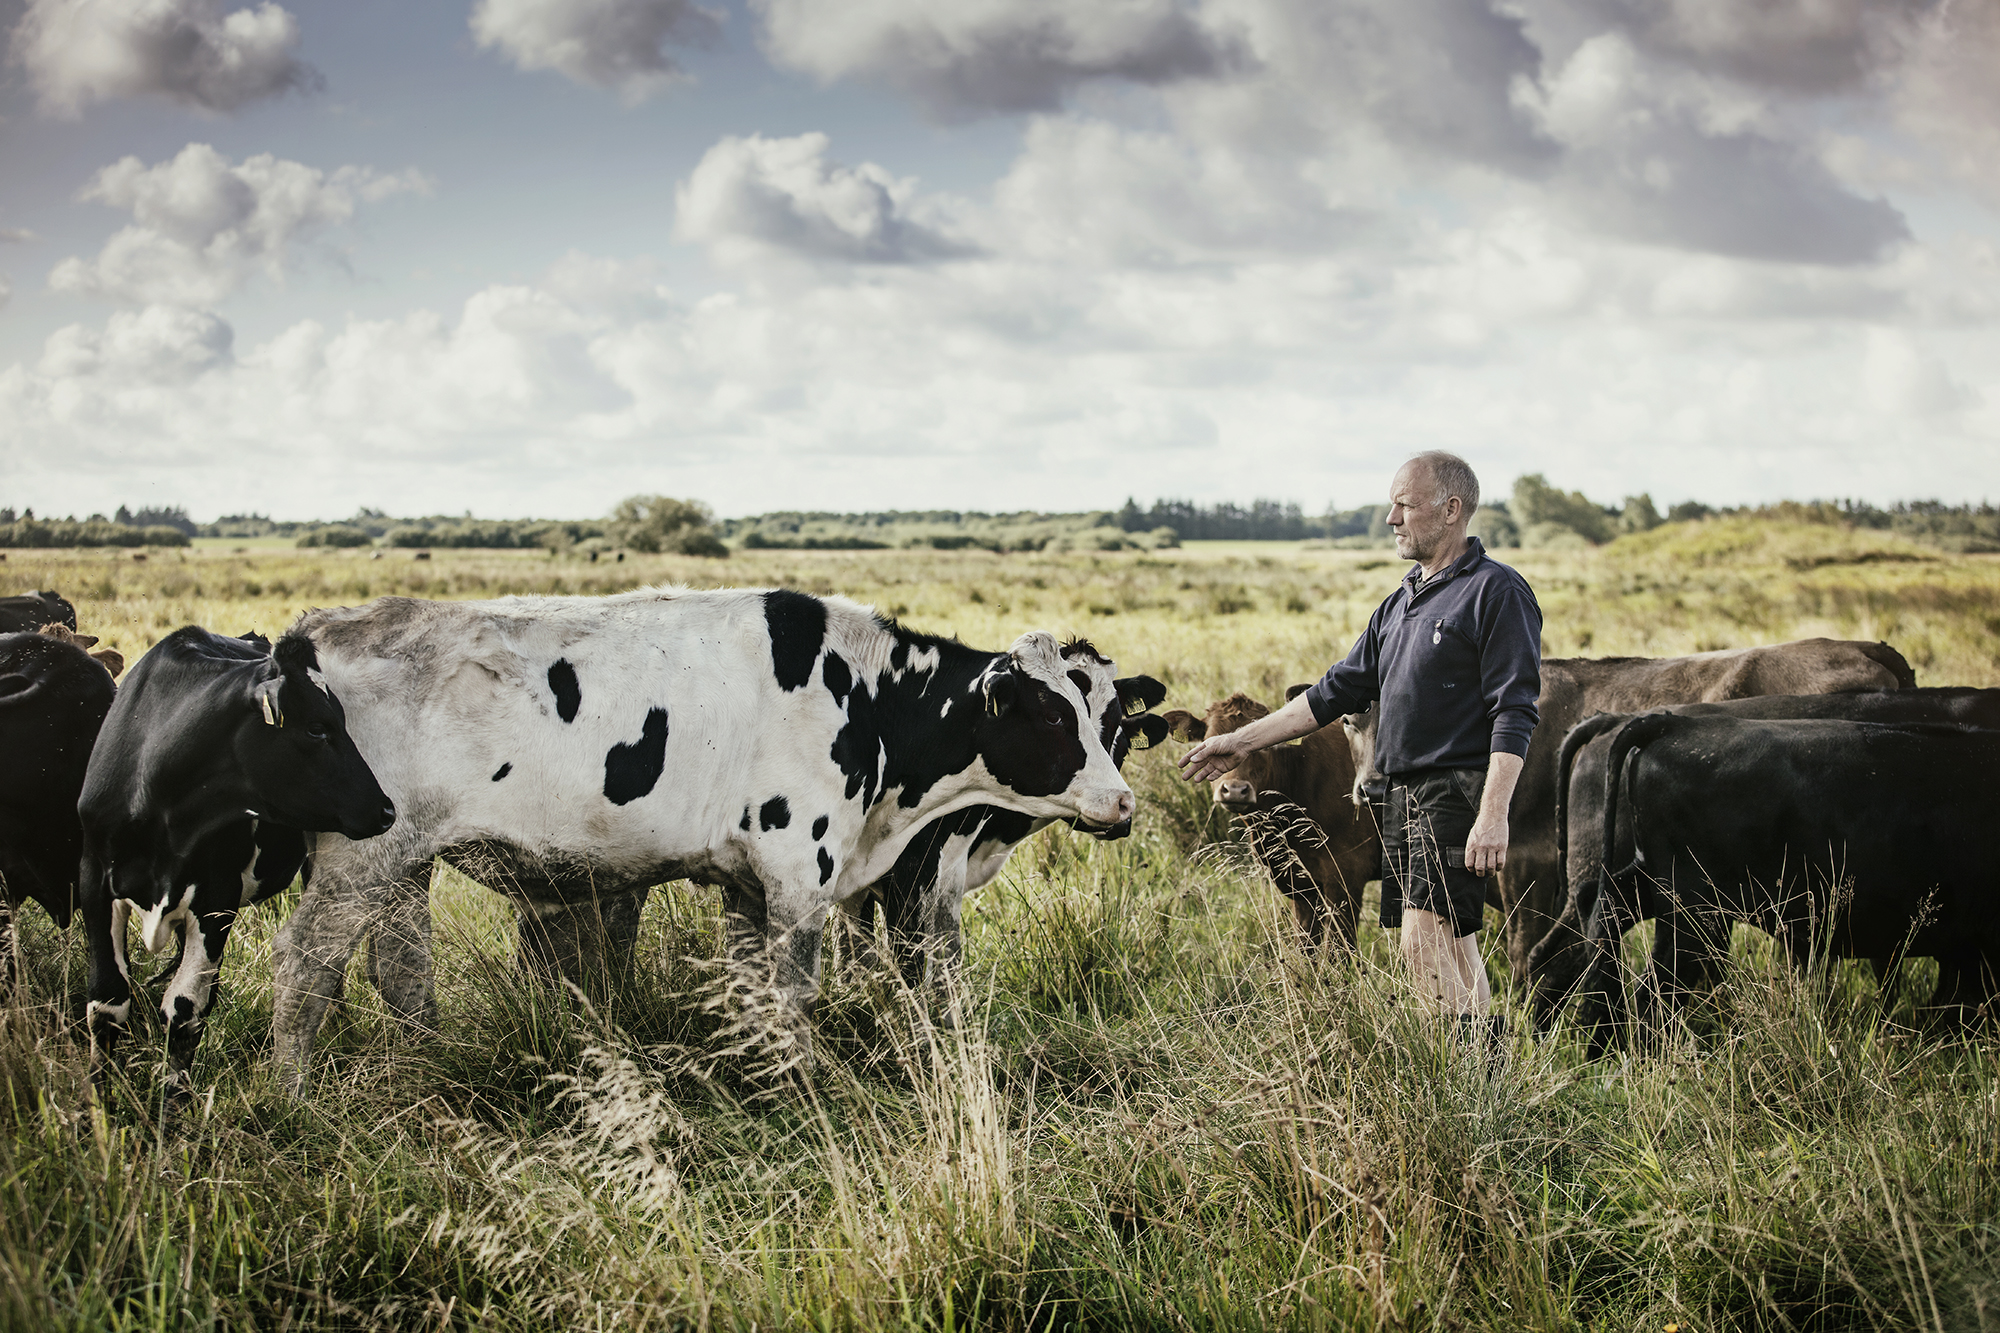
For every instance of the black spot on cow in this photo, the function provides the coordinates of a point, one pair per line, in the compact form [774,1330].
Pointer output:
[825,865]
[183,1009]
[502,771]
[774,813]
[797,622]
[562,683]
[893,737]
[630,771]
[839,680]
[819,828]
[745,824]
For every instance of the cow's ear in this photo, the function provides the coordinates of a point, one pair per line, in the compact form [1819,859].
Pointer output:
[1294,691]
[1146,731]
[1136,694]
[256,640]
[111,660]
[265,695]
[999,686]
[295,655]
[1185,725]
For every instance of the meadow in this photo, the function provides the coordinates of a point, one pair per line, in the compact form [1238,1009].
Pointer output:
[1161,1114]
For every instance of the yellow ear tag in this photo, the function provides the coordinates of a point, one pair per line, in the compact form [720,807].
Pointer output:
[270,717]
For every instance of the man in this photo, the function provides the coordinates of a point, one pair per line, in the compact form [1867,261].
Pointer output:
[1453,659]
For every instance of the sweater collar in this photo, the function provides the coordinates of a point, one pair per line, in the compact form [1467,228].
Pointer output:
[1475,551]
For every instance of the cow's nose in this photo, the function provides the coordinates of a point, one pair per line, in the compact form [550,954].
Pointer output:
[388,815]
[1236,792]
[1128,805]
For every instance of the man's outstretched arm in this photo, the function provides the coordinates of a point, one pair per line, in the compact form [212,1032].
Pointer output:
[1218,754]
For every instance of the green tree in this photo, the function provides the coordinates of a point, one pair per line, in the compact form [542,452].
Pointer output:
[1639,515]
[1537,503]
[661,524]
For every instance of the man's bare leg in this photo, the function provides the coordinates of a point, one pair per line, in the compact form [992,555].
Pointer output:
[1448,968]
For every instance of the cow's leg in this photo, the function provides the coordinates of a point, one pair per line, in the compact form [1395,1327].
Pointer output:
[399,954]
[1309,912]
[350,885]
[944,938]
[1601,1011]
[109,1012]
[190,995]
[590,944]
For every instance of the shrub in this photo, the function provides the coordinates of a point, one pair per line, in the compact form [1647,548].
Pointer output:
[1536,502]
[336,534]
[660,524]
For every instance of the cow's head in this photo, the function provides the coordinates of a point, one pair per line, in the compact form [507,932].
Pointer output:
[292,747]
[1040,738]
[1256,776]
[1119,705]
[1369,783]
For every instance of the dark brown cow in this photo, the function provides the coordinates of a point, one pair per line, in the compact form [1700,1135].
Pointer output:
[1319,848]
[1530,890]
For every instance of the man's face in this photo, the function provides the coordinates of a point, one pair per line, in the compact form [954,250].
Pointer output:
[1419,524]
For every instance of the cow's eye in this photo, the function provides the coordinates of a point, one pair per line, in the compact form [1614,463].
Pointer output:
[318,731]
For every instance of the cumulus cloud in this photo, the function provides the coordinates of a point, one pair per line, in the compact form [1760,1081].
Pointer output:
[1663,160]
[203,225]
[76,52]
[963,58]
[16,236]
[754,196]
[619,45]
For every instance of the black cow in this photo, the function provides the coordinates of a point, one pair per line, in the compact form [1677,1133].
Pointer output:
[922,898]
[1866,839]
[215,754]
[29,611]
[1557,959]
[53,699]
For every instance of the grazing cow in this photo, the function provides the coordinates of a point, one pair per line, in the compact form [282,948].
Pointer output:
[922,897]
[1866,838]
[1557,960]
[1323,846]
[214,754]
[29,611]
[576,750]
[1530,890]
[53,699]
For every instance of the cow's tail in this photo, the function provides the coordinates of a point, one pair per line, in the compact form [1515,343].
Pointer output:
[1613,910]
[1580,735]
[1565,936]
[1891,661]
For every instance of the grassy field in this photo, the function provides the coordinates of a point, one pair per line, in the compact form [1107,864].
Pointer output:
[1163,1114]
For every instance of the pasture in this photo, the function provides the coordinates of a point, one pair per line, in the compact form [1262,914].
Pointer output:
[1161,1114]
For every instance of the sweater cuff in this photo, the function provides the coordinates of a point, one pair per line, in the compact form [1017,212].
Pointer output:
[1320,699]
[1510,737]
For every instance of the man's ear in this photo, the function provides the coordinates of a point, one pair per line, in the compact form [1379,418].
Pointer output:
[1138,693]
[1185,725]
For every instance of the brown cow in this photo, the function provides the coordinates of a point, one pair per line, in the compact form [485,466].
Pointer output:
[1319,848]
[1529,890]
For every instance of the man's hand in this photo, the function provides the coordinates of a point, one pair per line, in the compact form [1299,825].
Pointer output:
[1486,846]
[1210,759]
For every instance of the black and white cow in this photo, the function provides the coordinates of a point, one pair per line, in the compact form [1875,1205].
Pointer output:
[567,750]
[922,898]
[53,699]
[214,754]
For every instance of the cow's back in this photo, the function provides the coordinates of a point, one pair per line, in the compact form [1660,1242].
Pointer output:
[53,700]
[523,720]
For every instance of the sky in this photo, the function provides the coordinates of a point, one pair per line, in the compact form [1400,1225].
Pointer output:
[526,257]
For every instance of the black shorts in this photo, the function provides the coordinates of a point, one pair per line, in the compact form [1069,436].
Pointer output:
[1428,819]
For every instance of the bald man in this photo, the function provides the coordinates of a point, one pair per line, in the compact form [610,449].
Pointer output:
[1453,660]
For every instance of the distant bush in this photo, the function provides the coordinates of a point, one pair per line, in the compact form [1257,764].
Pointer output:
[30,531]
[336,534]
[1536,504]
[1495,526]
[660,524]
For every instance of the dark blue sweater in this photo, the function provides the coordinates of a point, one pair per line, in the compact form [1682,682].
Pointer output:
[1455,661]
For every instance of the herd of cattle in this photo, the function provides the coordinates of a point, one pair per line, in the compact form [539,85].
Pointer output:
[817,757]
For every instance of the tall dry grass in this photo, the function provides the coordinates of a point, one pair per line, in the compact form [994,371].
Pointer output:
[1159,1114]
